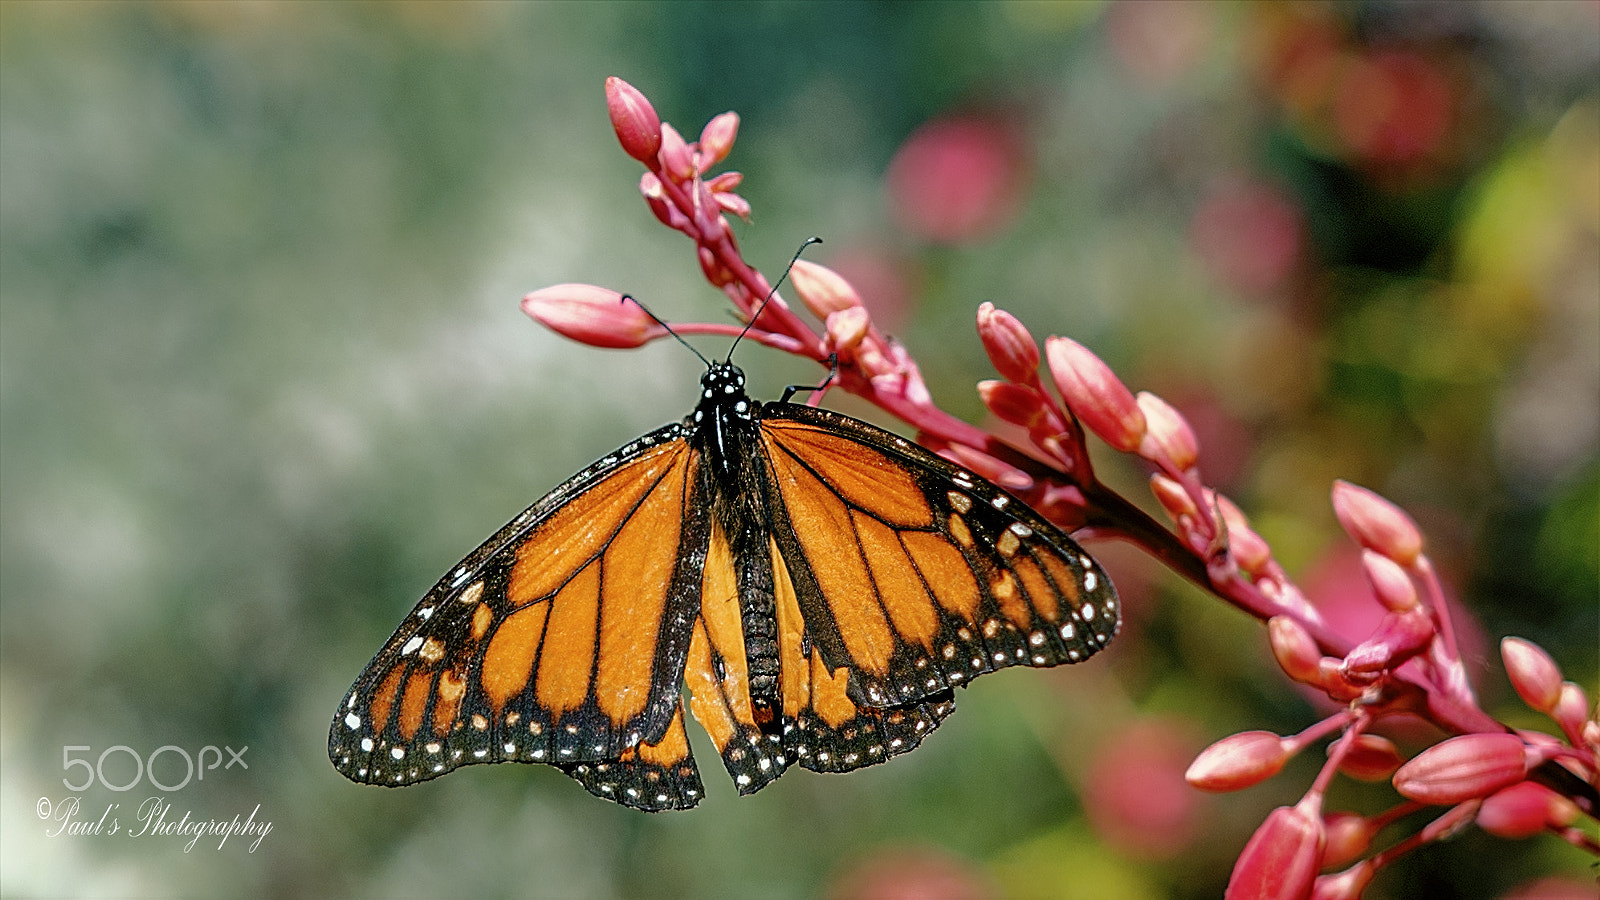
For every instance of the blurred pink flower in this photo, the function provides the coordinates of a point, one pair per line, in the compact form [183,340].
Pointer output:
[1251,235]
[911,873]
[958,179]
[1135,793]
[1393,107]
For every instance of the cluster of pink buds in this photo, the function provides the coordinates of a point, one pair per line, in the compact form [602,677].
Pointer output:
[682,193]
[1509,783]
[1512,784]
[1502,781]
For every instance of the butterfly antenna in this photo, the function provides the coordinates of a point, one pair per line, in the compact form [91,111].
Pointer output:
[626,298]
[770,294]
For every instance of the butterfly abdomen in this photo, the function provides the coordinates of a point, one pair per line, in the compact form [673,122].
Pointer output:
[733,474]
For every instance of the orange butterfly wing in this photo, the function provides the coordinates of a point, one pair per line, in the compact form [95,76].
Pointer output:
[896,576]
[865,578]
[561,640]
[912,575]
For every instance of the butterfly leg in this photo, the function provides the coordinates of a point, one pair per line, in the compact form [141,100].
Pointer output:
[833,372]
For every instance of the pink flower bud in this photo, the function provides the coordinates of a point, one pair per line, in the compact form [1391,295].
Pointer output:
[592,315]
[677,161]
[1571,708]
[656,199]
[1376,523]
[1295,649]
[1281,859]
[1390,583]
[1012,403]
[847,327]
[1463,768]
[1349,836]
[634,119]
[1250,551]
[1011,348]
[1169,439]
[1172,497]
[708,215]
[1336,683]
[716,139]
[712,268]
[734,203]
[1238,761]
[727,181]
[1525,809]
[1532,672]
[1400,636]
[1370,758]
[1094,394]
[821,289]
[1004,474]
[1346,885]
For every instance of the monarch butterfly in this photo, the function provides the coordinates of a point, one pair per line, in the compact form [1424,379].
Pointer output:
[818,584]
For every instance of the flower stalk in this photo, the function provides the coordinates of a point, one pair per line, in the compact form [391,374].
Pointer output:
[1411,663]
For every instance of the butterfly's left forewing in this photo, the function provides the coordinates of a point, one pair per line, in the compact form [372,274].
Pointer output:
[562,640]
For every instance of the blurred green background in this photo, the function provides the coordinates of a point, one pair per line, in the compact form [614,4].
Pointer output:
[263,378]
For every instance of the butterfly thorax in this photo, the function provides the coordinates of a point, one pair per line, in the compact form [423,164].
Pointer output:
[733,477]
[723,420]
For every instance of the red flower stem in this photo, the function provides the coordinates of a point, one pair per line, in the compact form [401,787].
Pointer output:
[1577,837]
[774,340]
[755,288]
[1441,609]
[1356,721]
[1438,829]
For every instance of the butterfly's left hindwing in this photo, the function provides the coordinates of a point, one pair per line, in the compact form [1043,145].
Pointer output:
[561,639]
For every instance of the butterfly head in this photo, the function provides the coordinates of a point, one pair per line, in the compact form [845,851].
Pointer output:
[722,393]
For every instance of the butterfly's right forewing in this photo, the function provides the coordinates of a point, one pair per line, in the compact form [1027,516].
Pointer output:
[562,639]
